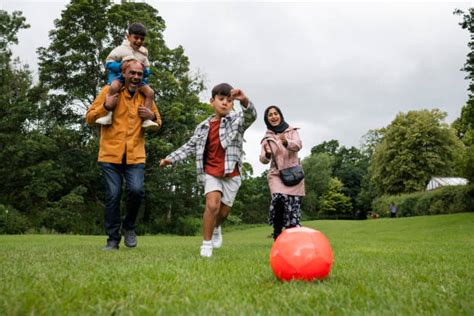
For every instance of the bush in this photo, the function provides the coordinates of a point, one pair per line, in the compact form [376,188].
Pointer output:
[233,220]
[61,220]
[187,226]
[12,221]
[64,216]
[446,200]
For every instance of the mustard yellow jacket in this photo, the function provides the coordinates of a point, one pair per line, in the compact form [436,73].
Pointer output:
[125,134]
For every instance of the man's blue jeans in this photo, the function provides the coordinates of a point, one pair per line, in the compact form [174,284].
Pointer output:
[134,180]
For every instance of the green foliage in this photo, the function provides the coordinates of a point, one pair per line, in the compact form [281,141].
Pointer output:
[65,215]
[349,166]
[333,201]
[48,150]
[253,200]
[445,200]
[415,146]
[328,147]
[187,226]
[464,125]
[318,171]
[12,221]
[9,27]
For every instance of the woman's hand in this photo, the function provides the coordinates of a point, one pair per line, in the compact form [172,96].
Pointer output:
[283,139]
[268,151]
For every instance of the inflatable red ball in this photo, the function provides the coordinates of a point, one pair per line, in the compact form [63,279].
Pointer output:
[301,253]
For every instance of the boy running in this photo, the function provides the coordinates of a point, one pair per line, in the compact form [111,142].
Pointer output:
[217,144]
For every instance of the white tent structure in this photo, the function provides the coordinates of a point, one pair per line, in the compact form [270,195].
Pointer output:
[437,182]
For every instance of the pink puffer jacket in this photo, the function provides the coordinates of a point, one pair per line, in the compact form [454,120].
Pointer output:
[285,157]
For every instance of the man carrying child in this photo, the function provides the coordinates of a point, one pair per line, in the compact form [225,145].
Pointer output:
[122,151]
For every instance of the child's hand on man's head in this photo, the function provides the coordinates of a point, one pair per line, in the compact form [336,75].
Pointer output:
[240,95]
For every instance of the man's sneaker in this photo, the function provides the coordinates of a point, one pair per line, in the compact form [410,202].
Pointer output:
[105,120]
[206,249]
[111,245]
[130,238]
[149,125]
[217,237]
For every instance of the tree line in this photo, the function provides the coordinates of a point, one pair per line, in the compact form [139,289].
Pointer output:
[50,180]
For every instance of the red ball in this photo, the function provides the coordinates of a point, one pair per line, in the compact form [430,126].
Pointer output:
[301,253]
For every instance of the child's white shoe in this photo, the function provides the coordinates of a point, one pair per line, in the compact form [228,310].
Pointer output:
[206,249]
[150,125]
[217,237]
[105,120]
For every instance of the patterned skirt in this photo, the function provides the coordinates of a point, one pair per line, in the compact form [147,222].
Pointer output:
[290,205]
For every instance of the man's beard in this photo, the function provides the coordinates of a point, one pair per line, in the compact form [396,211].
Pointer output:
[135,83]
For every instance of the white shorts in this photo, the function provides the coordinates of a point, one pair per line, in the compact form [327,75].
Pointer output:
[228,186]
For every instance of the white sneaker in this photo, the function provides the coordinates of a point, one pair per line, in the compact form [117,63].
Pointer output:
[217,237]
[206,249]
[150,125]
[105,120]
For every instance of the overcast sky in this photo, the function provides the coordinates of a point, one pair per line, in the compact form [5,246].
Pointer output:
[336,69]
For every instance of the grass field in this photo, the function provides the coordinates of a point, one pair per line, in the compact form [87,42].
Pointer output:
[405,266]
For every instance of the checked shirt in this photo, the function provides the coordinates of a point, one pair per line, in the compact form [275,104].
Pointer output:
[231,134]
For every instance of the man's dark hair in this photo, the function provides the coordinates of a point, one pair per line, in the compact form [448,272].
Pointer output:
[137,29]
[222,89]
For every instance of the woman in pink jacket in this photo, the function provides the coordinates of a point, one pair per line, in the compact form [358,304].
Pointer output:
[281,144]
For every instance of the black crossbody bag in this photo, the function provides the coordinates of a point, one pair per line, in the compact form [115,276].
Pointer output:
[289,176]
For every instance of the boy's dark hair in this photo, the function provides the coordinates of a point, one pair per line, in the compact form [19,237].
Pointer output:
[137,29]
[222,89]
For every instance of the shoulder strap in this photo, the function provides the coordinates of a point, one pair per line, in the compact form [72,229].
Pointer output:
[273,156]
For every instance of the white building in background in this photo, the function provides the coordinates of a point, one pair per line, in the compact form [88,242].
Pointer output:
[437,182]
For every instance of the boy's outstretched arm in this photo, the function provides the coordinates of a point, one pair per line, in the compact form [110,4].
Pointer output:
[181,153]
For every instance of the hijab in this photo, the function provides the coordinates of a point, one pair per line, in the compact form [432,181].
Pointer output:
[280,128]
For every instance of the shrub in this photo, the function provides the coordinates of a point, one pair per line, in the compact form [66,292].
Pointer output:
[187,226]
[61,220]
[452,199]
[64,216]
[233,220]
[12,221]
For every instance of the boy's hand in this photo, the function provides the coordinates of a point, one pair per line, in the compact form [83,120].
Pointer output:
[240,95]
[111,101]
[164,162]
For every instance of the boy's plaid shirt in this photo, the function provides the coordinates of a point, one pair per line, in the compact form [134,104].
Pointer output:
[231,134]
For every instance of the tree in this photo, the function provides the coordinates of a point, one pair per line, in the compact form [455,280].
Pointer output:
[25,153]
[59,159]
[349,166]
[465,123]
[253,200]
[416,146]
[318,171]
[329,147]
[333,201]
[368,191]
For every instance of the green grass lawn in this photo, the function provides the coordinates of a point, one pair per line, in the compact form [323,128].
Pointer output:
[405,266]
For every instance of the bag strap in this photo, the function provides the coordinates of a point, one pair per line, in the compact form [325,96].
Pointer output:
[273,156]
